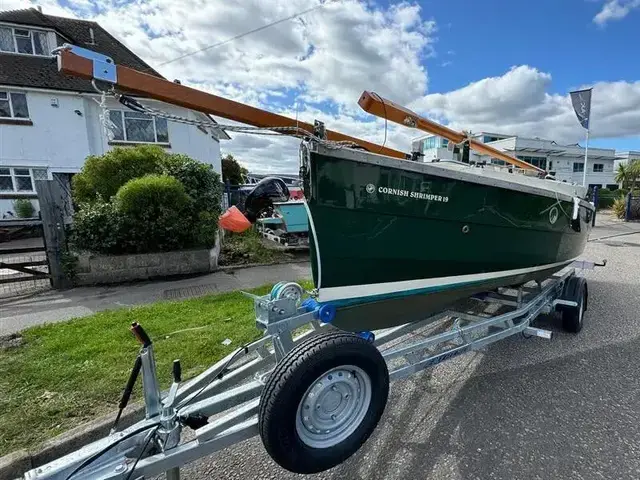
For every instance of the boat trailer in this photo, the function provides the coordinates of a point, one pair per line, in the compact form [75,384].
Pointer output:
[313,393]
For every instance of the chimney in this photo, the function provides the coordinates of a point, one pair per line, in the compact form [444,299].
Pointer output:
[177,81]
[39,8]
[93,38]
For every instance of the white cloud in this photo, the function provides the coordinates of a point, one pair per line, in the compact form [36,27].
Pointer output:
[324,60]
[52,7]
[326,57]
[518,103]
[615,10]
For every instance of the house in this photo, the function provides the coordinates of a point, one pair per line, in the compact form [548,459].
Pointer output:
[565,162]
[50,123]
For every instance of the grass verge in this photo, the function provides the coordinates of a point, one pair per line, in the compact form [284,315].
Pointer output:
[65,374]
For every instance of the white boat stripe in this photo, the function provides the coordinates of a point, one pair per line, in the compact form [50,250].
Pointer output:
[372,289]
[315,241]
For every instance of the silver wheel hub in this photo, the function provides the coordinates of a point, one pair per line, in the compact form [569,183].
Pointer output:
[333,406]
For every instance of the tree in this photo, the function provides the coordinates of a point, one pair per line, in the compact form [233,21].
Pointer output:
[232,171]
[622,174]
[628,173]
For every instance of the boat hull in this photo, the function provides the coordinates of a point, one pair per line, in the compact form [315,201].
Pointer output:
[393,242]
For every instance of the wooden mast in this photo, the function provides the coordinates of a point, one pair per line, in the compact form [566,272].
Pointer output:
[374,104]
[132,81]
[84,63]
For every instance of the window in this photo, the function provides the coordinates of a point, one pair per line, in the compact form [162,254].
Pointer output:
[540,162]
[138,127]
[20,40]
[550,164]
[598,167]
[13,105]
[434,142]
[19,179]
[578,167]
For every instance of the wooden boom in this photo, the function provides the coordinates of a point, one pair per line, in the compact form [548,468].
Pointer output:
[374,104]
[136,82]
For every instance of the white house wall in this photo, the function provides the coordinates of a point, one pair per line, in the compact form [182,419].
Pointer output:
[183,138]
[563,167]
[60,139]
[57,138]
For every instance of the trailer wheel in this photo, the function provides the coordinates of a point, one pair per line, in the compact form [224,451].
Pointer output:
[322,402]
[576,290]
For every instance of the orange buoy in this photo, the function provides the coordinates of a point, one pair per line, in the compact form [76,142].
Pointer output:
[234,220]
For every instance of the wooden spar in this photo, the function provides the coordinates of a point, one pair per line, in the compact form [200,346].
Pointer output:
[374,104]
[135,82]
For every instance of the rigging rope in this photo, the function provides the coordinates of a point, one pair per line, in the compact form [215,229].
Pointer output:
[135,105]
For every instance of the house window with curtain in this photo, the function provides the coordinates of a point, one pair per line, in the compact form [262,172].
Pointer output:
[13,105]
[138,127]
[24,40]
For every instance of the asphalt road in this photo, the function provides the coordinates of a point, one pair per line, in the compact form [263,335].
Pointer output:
[522,409]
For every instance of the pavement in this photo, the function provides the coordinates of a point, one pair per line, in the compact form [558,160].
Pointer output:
[522,409]
[54,306]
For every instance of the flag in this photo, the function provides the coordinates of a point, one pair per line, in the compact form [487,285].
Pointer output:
[581,100]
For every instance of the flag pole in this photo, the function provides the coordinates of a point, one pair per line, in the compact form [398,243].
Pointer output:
[581,101]
[586,153]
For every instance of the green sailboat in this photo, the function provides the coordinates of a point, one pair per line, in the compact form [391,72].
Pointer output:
[393,240]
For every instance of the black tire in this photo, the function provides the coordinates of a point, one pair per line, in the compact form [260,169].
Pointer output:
[289,382]
[575,290]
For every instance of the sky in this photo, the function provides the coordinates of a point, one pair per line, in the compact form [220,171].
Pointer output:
[495,65]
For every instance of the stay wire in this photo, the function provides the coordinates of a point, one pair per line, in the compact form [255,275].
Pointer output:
[243,349]
[97,455]
[146,444]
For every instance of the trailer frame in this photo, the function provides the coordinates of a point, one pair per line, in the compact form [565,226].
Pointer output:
[228,393]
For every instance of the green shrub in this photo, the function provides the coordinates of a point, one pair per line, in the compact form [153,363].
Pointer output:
[200,181]
[154,211]
[143,197]
[97,228]
[24,208]
[620,207]
[102,176]
[606,201]
[162,201]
